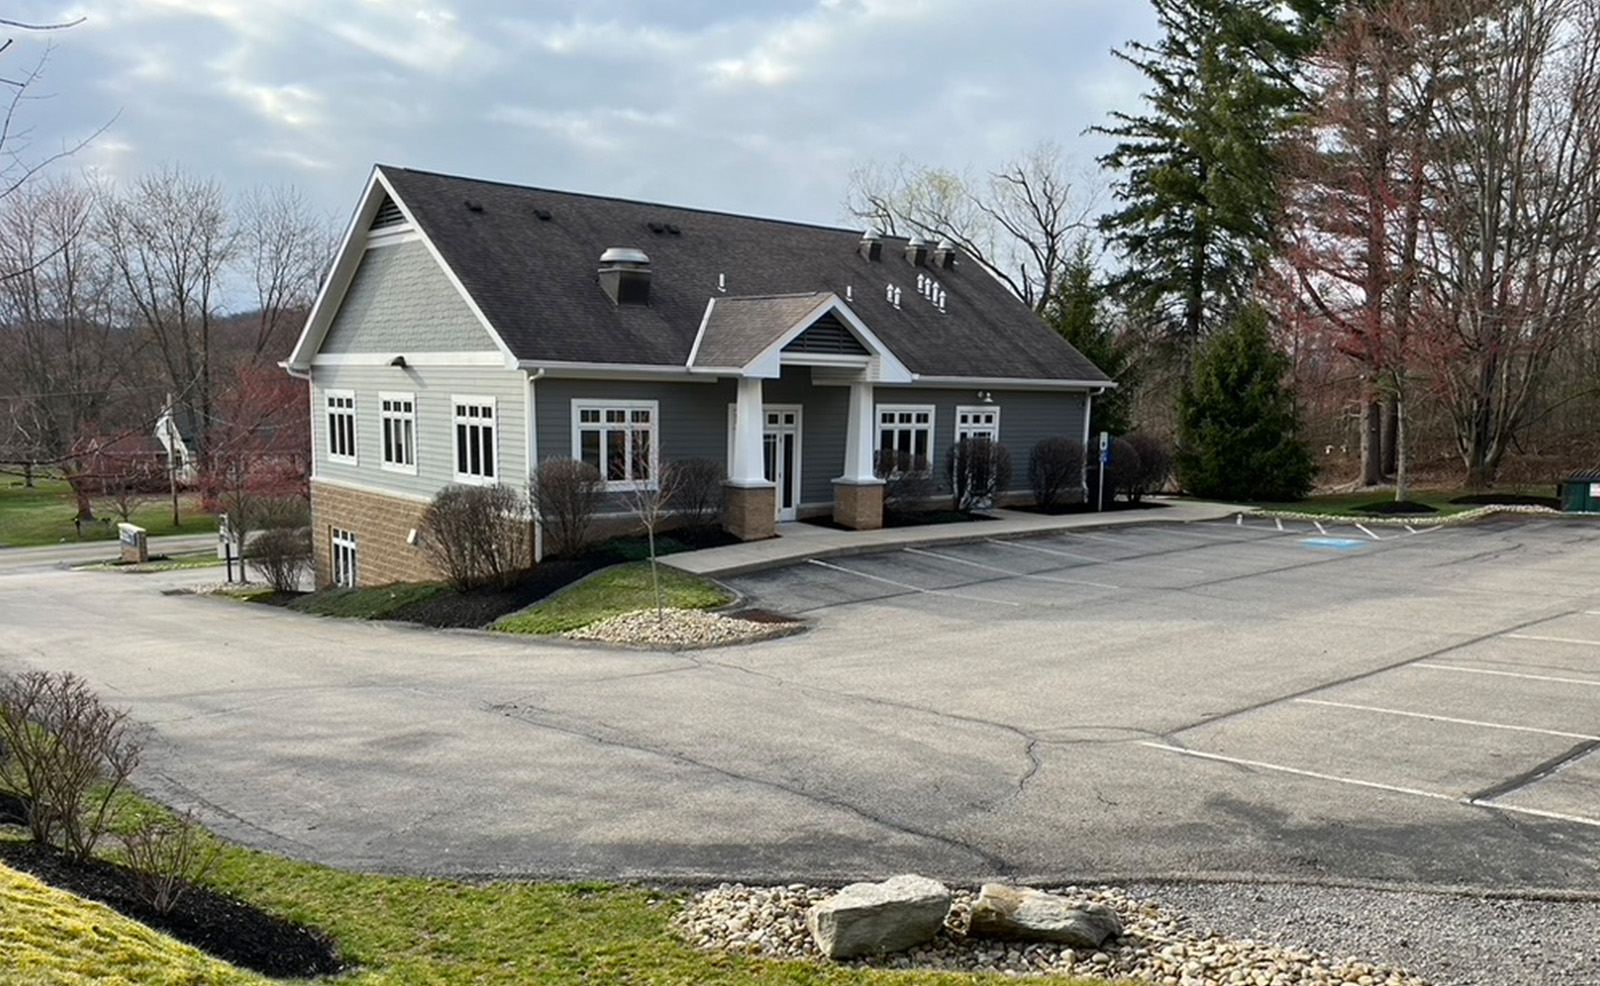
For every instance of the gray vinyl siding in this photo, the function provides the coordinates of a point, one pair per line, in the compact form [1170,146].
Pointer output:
[1025,417]
[400,301]
[434,388]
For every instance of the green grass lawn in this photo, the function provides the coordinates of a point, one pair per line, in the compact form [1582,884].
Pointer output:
[370,603]
[171,563]
[44,513]
[1347,504]
[611,593]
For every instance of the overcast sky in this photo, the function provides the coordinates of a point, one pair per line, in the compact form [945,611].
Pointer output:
[754,106]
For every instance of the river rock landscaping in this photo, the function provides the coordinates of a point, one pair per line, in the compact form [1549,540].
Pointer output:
[1157,944]
[681,629]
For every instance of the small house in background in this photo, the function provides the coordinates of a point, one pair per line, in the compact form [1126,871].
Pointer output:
[177,446]
[470,329]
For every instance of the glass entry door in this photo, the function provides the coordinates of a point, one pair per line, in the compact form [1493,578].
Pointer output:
[781,449]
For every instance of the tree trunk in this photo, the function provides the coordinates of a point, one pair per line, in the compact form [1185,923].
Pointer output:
[1401,449]
[1371,443]
[1392,411]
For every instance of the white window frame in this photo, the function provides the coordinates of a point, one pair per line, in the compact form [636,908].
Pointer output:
[349,414]
[458,420]
[912,409]
[629,427]
[344,564]
[404,435]
[967,430]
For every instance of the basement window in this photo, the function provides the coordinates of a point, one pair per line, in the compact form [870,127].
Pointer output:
[344,557]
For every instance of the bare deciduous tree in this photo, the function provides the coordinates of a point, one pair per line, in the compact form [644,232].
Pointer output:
[286,248]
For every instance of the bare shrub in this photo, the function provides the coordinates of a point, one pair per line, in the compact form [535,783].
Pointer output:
[697,490]
[65,755]
[476,535]
[907,481]
[979,470]
[281,556]
[1124,470]
[1155,465]
[167,857]
[1055,466]
[650,505]
[566,495]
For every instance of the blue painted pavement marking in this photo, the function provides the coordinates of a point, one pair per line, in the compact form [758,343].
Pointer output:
[1335,544]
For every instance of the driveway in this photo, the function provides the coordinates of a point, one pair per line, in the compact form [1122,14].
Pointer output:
[1211,698]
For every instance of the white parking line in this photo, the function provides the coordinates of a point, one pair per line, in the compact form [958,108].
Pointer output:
[1368,533]
[1451,719]
[1006,571]
[1357,782]
[1506,674]
[1061,553]
[1553,640]
[905,585]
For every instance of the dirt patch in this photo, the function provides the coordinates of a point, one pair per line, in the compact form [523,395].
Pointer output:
[221,926]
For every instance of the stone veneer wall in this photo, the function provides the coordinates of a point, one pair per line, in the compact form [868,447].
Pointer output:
[380,524]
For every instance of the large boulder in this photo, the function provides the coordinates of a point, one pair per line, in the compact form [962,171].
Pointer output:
[1024,914]
[875,918]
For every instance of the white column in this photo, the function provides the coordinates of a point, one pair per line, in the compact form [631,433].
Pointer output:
[749,424]
[1088,406]
[858,443]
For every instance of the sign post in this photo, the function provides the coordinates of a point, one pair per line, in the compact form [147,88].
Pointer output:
[226,545]
[1105,460]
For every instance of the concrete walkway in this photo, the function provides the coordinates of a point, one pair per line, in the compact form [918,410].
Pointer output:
[798,542]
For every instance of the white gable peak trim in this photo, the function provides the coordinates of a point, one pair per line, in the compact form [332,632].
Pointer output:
[351,249]
[882,367]
[700,333]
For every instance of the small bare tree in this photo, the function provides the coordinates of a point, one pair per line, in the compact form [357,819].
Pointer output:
[566,495]
[651,503]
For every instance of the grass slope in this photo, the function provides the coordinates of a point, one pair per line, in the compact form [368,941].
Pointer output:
[43,515]
[1348,504]
[372,603]
[612,593]
[51,938]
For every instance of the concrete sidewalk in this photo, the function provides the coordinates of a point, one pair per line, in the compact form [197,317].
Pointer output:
[799,541]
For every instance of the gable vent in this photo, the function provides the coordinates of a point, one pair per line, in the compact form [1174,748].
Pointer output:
[827,335]
[388,215]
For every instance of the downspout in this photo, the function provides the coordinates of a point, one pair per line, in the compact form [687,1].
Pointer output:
[530,426]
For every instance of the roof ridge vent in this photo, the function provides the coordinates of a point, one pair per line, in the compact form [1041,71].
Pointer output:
[625,275]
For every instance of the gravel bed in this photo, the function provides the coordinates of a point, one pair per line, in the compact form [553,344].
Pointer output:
[1159,944]
[1453,940]
[677,629]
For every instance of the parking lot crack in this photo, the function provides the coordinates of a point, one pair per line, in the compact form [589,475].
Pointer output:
[1536,774]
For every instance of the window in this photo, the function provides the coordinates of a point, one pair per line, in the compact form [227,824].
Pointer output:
[397,416]
[619,439]
[344,557]
[980,421]
[906,432]
[475,446]
[341,425]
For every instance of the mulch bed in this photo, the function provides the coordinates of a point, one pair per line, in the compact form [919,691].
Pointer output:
[918,519]
[481,607]
[1508,500]
[219,925]
[1064,509]
[1394,508]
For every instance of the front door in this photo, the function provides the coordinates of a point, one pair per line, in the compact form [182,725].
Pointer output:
[781,449]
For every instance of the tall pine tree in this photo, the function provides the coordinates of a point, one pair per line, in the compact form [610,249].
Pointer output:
[1077,311]
[1197,178]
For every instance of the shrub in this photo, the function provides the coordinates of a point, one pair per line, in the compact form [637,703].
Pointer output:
[979,470]
[566,495]
[907,481]
[65,755]
[476,535]
[1055,466]
[281,555]
[697,490]
[1124,470]
[1155,465]
[167,857]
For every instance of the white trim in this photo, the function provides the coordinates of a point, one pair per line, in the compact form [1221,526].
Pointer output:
[769,362]
[1083,472]
[700,333]
[580,404]
[359,487]
[799,412]
[408,467]
[932,410]
[392,236]
[625,371]
[457,420]
[483,357]
[1020,383]
[994,430]
[354,457]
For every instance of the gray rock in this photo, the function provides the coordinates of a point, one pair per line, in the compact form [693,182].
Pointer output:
[1024,914]
[876,918]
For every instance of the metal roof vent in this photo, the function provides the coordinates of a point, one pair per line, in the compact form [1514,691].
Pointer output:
[917,251]
[944,255]
[871,246]
[625,275]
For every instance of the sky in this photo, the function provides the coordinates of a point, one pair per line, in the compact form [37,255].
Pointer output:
[753,106]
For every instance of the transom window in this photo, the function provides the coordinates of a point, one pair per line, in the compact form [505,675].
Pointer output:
[341,425]
[475,439]
[397,414]
[979,422]
[344,557]
[619,439]
[905,437]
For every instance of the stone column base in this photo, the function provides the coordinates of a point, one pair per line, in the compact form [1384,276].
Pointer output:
[858,506]
[750,513]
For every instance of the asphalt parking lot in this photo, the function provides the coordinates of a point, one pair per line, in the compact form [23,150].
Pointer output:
[1208,698]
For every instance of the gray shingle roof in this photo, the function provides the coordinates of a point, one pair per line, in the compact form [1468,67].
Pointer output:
[535,280]
[740,329]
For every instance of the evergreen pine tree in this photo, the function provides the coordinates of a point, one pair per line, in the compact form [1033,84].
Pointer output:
[1077,310]
[1238,429]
